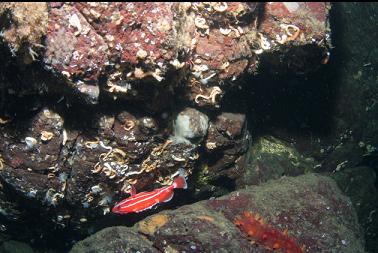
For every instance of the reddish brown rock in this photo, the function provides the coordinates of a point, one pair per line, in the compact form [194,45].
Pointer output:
[311,208]
[130,49]
[298,33]
[227,140]
[74,51]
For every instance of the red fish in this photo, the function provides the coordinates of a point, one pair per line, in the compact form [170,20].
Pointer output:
[146,200]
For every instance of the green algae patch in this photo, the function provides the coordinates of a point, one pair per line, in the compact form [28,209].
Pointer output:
[271,158]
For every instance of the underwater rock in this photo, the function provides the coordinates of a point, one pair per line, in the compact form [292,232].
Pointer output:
[75,53]
[296,37]
[15,247]
[69,177]
[127,50]
[271,158]
[358,184]
[311,207]
[190,125]
[113,240]
[225,146]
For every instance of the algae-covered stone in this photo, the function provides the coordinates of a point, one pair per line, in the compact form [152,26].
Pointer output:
[271,158]
[359,184]
[113,240]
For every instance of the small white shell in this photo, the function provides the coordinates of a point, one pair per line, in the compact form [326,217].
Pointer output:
[141,54]
[200,23]
[220,6]
[225,31]
[177,64]
[30,142]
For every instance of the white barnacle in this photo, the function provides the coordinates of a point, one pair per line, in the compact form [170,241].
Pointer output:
[105,201]
[75,22]
[225,65]
[139,73]
[64,136]
[225,31]
[200,68]
[157,74]
[264,43]
[30,142]
[32,193]
[220,6]
[281,39]
[141,54]
[200,22]
[106,210]
[177,64]
[258,51]
[178,159]
[96,189]
[211,145]
[292,32]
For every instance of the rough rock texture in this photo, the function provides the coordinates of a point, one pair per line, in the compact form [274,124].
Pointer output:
[271,158]
[359,184]
[340,131]
[303,24]
[68,176]
[311,207]
[114,239]
[143,64]
[129,49]
[225,146]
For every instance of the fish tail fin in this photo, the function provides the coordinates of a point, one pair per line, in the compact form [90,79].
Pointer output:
[180,181]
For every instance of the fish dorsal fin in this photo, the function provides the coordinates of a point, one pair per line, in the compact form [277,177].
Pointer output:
[133,191]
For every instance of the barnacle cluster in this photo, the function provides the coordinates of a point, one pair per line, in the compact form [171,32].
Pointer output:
[150,164]
[112,163]
[209,14]
[291,33]
[52,197]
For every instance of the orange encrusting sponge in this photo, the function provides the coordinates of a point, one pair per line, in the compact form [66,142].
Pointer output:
[265,235]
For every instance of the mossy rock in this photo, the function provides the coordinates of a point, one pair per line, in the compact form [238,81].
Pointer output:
[271,158]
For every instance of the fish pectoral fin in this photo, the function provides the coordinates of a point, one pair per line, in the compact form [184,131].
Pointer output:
[168,199]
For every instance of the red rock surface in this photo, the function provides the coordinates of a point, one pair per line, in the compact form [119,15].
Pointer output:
[202,45]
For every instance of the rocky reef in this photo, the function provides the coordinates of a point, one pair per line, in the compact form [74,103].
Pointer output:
[98,97]
[310,207]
